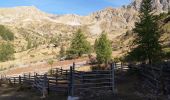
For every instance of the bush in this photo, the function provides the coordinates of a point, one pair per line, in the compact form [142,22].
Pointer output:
[98,67]
[6,51]
[6,34]
[32,56]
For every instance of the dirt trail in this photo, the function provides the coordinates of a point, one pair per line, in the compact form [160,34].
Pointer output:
[42,67]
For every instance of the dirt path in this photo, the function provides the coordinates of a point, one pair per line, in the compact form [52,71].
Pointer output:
[43,67]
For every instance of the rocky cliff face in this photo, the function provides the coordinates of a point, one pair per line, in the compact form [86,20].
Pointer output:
[158,5]
[30,22]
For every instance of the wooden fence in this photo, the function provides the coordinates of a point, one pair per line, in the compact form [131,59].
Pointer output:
[69,81]
[121,66]
[156,78]
[91,81]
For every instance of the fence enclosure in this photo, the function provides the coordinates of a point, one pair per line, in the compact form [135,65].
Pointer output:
[69,81]
[156,78]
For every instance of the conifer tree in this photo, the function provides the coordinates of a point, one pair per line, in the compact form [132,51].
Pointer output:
[147,45]
[103,49]
[79,44]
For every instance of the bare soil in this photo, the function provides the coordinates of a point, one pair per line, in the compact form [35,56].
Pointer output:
[42,67]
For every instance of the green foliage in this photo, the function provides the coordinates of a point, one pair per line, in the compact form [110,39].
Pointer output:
[166,53]
[56,40]
[98,67]
[79,45]
[95,44]
[62,51]
[103,49]
[32,56]
[50,62]
[6,34]
[147,46]
[166,27]
[32,43]
[35,44]
[6,51]
[116,59]
[29,44]
[162,16]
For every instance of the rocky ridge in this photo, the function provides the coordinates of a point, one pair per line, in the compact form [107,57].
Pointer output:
[30,24]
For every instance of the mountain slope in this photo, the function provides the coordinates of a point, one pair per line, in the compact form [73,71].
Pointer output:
[35,30]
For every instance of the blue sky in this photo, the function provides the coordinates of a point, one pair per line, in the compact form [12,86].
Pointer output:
[81,7]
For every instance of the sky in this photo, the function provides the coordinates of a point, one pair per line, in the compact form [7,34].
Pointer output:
[81,7]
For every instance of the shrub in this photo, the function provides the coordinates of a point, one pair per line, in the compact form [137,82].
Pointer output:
[6,51]
[6,34]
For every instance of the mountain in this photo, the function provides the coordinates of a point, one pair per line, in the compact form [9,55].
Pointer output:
[31,25]
[158,5]
[29,22]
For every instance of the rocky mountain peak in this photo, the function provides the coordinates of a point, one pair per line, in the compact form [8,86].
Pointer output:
[22,13]
[158,5]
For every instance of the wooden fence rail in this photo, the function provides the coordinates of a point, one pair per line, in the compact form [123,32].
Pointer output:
[68,81]
[156,78]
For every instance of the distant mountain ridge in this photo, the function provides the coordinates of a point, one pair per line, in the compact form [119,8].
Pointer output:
[30,22]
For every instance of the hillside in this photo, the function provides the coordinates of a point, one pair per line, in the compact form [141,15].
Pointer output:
[38,35]
[125,40]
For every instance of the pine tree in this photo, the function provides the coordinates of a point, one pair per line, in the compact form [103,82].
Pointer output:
[103,49]
[79,44]
[147,46]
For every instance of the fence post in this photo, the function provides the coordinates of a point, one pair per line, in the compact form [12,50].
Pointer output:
[29,76]
[66,74]
[70,82]
[14,80]
[19,79]
[61,71]
[57,71]
[35,78]
[1,77]
[45,86]
[73,78]
[24,78]
[113,84]
[121,64]
[56,77]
